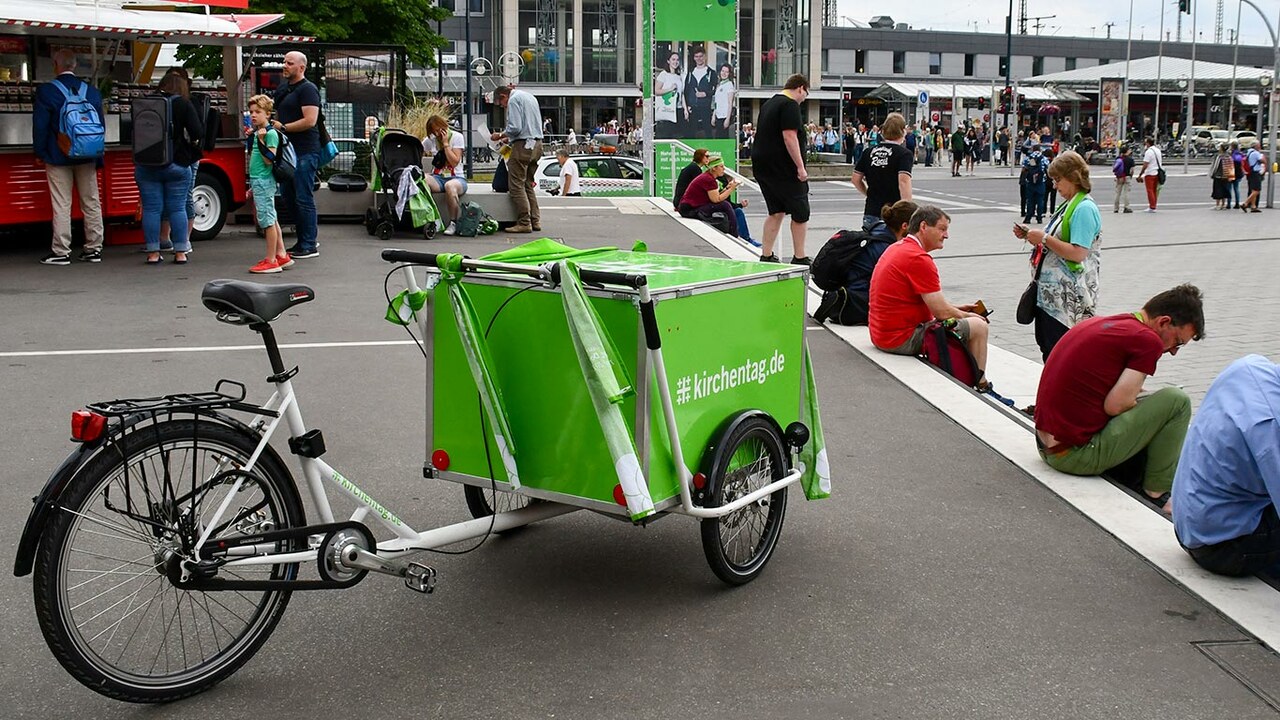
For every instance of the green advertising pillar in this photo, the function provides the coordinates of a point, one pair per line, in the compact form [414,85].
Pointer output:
[690,86]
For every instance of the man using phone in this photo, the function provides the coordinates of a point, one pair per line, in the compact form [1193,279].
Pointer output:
[1089,416]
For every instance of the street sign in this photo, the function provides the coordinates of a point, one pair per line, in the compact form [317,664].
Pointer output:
[924,97]
[936,116]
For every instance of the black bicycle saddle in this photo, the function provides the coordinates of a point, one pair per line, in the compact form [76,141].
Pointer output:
[253,302]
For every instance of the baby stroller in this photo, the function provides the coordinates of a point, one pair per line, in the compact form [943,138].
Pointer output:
[401,196]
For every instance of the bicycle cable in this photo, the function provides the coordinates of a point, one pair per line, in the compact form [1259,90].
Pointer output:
[484,436]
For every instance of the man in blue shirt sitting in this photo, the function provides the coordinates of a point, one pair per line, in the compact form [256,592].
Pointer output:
[1228,478]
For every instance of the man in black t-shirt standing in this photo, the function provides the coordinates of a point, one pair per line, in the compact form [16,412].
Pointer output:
[777,159]
[883,173]
[297,113]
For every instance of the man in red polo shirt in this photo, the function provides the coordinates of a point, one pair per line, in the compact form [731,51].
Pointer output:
[906,293]
[1089,417]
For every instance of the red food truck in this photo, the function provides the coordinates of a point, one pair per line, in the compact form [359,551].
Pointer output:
[117,48]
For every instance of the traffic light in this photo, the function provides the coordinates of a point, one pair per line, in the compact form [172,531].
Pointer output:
[1184,6]
[982,103]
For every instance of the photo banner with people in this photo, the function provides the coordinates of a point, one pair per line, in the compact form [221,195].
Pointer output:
[1110,111]
[691,85]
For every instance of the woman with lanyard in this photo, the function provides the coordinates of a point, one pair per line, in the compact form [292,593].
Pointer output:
[1067,256]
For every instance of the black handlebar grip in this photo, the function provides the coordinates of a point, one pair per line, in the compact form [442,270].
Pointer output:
[601,277]
[409,256]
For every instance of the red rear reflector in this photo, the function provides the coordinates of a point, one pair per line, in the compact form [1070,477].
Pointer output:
[440,460]
[619,496]
[699,480]
[87,426]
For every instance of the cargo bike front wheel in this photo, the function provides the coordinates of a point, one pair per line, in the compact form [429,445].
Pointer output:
[750,456]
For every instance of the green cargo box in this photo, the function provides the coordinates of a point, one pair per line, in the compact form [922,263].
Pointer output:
[732,340]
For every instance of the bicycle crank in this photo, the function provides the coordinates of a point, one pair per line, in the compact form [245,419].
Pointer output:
[417,577]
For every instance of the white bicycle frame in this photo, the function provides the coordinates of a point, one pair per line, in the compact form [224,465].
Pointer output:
[284,402]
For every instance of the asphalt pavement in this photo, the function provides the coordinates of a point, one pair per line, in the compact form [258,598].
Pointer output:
[938,581]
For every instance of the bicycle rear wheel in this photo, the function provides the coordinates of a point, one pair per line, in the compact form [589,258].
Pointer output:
[103,597]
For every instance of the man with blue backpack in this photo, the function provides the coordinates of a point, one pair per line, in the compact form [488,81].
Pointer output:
[69,137]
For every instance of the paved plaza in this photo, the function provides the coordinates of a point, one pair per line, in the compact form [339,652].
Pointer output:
[942,579]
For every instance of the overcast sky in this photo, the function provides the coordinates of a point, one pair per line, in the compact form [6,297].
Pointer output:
[1078,18]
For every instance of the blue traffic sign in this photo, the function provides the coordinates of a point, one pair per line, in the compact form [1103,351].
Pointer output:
[924,97]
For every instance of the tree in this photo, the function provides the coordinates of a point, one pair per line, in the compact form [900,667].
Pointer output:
[375,22]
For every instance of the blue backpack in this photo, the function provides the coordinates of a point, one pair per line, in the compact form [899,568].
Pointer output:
[81,134]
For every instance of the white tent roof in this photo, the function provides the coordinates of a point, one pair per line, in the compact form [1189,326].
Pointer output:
[944,91]
[68,18]
[1147,70]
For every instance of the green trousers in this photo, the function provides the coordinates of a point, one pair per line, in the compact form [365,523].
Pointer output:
[1158,423]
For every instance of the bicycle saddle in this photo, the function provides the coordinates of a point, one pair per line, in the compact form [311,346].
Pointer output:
[253,302]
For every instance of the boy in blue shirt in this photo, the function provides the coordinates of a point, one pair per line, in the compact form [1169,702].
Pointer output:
[263,148]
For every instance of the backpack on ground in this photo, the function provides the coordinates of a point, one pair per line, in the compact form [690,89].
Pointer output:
[212,120]
[470,219]
[944,349]
[152,121]
[81,134]
[830,268]
[843,307]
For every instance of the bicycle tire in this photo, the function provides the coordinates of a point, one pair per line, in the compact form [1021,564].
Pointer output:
[481,502]
[90,511]
[751,457]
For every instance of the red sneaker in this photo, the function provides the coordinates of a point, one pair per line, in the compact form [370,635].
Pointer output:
[268,265]
[284,261]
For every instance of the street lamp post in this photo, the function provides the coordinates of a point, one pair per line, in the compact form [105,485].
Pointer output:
[467,32]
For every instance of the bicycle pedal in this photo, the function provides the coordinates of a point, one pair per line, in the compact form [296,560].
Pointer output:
[419,577]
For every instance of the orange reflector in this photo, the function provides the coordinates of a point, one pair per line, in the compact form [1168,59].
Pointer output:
[87,426]
[440,460]
[619,496]
[699,480]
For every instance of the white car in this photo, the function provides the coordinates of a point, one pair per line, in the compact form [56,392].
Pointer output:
[601,174]
[1246,138]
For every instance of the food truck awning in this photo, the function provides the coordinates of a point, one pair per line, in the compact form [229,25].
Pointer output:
[72,19]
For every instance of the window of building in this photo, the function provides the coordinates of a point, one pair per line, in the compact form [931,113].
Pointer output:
[899,61]
[860,61]
[970,59]
[1037,65]
[459,6]
[1071,63]
[935,63]
[547,37]
[608,41]
[826,60]
[746,46]
[1104,61]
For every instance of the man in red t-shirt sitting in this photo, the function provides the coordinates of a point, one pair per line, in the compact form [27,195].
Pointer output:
[906,293]
[1089,417]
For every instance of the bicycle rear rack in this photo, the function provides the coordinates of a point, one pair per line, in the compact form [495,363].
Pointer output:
[178,402]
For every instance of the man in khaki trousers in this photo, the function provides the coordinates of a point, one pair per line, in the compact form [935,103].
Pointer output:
[524,132]
[64,173]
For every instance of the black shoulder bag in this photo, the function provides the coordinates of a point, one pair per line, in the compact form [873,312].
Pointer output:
[1026,313]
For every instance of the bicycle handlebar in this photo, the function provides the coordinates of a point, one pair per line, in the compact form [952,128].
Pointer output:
[409,256]
[595,277]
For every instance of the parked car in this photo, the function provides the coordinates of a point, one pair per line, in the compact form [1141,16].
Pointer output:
[1246,138]
[601,174]
[1205,136]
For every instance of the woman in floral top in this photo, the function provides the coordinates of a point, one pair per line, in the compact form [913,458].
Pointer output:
[1067,291]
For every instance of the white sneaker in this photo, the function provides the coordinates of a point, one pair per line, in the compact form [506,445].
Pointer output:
[452,229]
